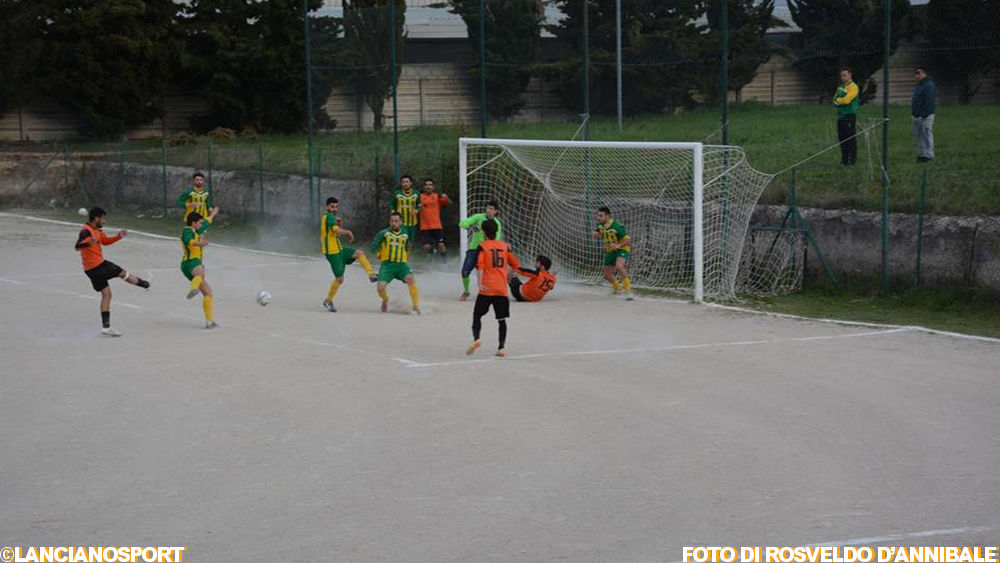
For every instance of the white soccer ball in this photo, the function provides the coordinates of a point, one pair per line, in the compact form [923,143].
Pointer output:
[82,212]
[263,298]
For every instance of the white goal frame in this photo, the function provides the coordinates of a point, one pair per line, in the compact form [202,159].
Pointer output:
[697,238]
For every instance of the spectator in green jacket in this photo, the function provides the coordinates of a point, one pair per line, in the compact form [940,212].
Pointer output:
[922,115]
[846,101]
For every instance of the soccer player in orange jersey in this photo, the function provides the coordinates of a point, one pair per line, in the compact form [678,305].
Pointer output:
[540,281]
[431,231]
[99,270]
[494,264]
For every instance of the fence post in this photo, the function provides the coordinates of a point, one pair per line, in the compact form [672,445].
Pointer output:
[319,179]
[163,172]
[920,227]
[260,176]
[887,32]
[121,175]
[482,69]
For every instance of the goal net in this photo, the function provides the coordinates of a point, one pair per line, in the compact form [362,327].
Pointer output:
[686,206]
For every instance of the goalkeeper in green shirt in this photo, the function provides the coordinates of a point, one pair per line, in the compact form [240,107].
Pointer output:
[474,223]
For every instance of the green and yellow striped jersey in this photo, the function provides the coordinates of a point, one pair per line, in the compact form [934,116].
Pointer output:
[407,205]
[194,200]
[390,246]
[612,233]
[190,239]
[328,230]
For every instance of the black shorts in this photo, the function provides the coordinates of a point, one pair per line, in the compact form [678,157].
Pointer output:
[101,273]
[500,303]
[515,289]
[431,236]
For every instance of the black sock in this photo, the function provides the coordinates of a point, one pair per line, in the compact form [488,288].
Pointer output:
[477,325]
[106,319]
[142,283]
[503,333]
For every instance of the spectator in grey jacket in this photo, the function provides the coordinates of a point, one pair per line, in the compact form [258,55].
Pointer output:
[922,115]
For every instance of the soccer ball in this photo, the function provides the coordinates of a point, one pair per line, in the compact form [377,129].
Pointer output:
[263,298]
[82,212]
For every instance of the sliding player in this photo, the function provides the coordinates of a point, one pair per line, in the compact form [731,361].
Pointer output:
[494,263]
[193,242]
[616,251]
[474,222]
[196,199]
[390,247]
[406,202]
[99,270]
[431,231]
[540,282]
[338,256]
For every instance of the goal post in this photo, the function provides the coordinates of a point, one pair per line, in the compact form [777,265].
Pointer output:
[686,206]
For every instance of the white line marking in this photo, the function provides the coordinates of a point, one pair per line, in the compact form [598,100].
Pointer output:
[162,237]
[658,299]
[664,348]
[855,323]
[214,267]
[903,536]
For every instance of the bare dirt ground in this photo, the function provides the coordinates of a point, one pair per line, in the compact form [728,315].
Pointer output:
[614,431]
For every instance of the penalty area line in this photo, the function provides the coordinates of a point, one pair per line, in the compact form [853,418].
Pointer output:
[414,364]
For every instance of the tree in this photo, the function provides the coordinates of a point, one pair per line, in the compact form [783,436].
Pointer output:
[368,35]
[247,59]
[107,60]
[841,33]
[965,38]
[660,48]
[20,52]
[513,29]
[749,21]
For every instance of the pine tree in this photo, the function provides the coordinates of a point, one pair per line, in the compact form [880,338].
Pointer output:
[965,37]
[661,44]
[841,33]
[367,29]
[108,60]
[749,21]
[513,29]
[248,60]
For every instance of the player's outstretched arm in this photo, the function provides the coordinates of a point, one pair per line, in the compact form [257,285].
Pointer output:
[346,233]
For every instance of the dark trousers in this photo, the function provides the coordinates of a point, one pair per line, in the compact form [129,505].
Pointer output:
[846,126]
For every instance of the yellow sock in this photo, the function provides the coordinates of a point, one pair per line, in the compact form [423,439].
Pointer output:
[363,260]
[414,295]
[195,283]
[333,290]
[616,285]
[627,282]
[206,304]
[383,294]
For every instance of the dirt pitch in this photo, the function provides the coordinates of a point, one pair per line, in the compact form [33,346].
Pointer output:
[614,431]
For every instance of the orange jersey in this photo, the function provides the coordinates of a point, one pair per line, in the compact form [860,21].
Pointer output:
[430,210]
[92,255]
[539,284]
[495,260]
